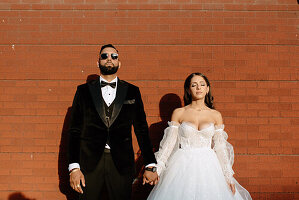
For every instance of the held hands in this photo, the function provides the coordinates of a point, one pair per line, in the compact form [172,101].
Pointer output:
[151,178]
[77,177]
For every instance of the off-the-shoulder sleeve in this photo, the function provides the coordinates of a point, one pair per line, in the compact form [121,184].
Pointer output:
[224,152]
[167,145]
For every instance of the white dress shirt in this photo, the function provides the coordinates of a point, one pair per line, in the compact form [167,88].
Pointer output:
[108,92]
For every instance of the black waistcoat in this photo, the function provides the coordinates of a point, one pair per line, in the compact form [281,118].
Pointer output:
[108,112]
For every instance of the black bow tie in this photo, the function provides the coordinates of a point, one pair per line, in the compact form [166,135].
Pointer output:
[103,84]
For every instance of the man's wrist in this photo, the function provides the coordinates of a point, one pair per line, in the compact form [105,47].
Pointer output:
[73,170]
[151,168]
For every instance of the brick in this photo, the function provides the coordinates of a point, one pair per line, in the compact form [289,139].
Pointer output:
[21,172]
[258,135]
[53,195]
[44,172]
[223,27]
[259,181]
[22,187]
[9,179]
[271,113]
[273,143]
[11,148]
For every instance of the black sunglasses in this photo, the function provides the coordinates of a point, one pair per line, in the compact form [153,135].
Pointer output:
[104,56]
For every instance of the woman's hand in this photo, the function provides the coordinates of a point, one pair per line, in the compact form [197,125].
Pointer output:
[232,187]
[151,178]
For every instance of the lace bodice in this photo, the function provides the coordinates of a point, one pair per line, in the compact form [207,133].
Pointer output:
[186,136]
[190,137]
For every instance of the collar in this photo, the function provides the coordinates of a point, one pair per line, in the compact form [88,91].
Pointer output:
[114,80]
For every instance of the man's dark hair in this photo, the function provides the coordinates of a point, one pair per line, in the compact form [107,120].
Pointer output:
[106,46]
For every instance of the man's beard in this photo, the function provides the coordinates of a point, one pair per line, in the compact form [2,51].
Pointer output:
[108,70]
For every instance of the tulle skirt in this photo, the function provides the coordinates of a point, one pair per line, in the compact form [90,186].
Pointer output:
[195,174]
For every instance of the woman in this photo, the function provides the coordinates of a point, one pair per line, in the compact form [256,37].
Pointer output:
[194,159]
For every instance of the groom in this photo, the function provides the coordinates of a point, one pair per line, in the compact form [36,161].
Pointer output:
[100,147]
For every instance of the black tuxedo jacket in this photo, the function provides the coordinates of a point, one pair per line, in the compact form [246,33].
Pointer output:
[89,129]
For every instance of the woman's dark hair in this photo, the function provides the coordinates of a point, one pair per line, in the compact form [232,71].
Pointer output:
[187,95]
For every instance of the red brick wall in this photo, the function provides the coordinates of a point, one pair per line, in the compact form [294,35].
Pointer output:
[247,48]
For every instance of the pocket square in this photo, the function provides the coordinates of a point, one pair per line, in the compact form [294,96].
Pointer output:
[131,101]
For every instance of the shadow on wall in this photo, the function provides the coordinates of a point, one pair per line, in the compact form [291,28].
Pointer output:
[167,105]
[64,183]
[18,196]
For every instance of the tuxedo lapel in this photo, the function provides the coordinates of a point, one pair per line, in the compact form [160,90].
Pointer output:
[96,93]
[121,93]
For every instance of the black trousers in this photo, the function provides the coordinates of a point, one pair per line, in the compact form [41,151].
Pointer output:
[119,187]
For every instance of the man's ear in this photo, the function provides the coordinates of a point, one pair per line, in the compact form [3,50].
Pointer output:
[119,64]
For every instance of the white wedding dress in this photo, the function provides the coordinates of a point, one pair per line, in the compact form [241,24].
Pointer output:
[195,165]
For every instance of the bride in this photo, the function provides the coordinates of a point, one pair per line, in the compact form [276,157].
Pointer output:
[195,160]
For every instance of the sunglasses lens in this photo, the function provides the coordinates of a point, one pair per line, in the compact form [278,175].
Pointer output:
[114,56]
[104,56]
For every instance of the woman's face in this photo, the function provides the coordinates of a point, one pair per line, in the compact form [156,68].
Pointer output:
[198,88]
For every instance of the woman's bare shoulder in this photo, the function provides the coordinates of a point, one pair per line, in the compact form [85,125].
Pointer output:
[217,117]
[177,113]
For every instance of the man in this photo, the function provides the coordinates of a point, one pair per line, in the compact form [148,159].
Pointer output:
[100,142]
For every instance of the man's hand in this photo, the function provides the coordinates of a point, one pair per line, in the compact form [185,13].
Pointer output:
[77,177]
[151,178]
